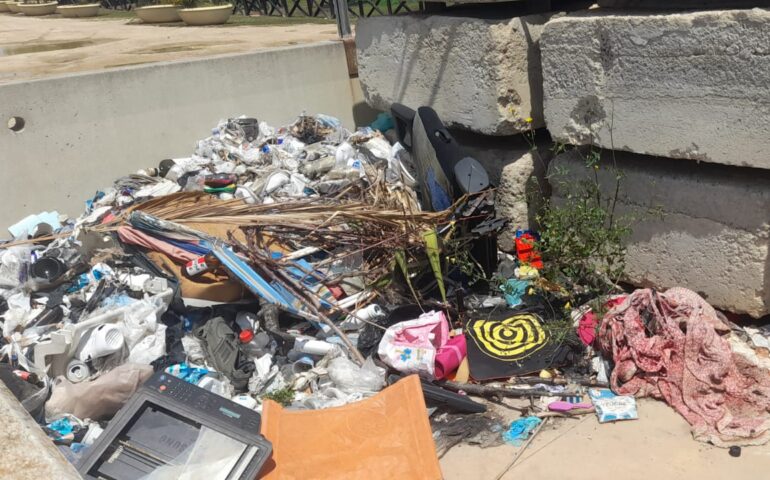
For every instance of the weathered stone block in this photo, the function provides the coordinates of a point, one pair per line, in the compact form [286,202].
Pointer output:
[682,4]
[480,75]
[710,231]
[686,85]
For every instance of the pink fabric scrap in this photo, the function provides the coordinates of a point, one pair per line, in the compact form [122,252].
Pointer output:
[586,329]
[137,237]
[675,347]
[450,356]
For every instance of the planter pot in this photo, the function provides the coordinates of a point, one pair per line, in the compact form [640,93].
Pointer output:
[207,15]
[79,11]
[13,7]
[38,9]
[4,8]
[158,14]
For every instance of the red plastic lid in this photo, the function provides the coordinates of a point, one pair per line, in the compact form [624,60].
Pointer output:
[245,336]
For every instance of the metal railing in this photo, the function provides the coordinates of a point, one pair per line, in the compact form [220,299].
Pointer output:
[326,8]
[340,10]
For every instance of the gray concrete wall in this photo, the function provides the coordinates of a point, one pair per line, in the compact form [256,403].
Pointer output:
[83,131]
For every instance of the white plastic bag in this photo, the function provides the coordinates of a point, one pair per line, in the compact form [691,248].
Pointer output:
[11,260]
[350,378]
[141,320]
[150,347]
[18,314]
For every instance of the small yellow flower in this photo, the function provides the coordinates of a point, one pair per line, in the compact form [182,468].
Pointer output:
[528,120]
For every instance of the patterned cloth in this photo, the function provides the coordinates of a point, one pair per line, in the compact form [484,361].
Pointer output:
[675,347]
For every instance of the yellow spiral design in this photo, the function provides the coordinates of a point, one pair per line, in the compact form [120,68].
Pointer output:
[511,339]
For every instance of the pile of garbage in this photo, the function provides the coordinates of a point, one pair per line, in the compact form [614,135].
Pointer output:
[288,271]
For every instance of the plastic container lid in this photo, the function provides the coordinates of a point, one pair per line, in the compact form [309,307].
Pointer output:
[246,336]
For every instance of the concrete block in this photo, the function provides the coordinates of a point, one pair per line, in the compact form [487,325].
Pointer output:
[682,4]
[73,144]
[26,453]
[478,74]
[686,85]
[518,171]
[710,233]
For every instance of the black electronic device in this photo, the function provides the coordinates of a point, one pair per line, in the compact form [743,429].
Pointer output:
[444,171]
[435,395]
[161,423]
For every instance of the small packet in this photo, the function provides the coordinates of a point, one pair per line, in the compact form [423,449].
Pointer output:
[611,407]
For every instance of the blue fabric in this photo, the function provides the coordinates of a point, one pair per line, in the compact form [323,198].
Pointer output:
[190,247]
[520,430]
[187,373]
[62,426]
[439,198]
[383,122]
[513,290]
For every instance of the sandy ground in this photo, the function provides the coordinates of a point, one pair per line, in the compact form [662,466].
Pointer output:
[658,446]
[77,45]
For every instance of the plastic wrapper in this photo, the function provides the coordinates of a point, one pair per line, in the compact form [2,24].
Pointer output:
[193,349]
[12,261]
[141,320]
[611,407]
[328,398]
[266,377]
[351,378]
[35,401]
[206,459]
[97,399]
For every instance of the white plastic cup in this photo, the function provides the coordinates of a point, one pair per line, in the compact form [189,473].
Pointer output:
[303,364]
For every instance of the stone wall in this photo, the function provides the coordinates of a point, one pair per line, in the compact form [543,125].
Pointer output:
[705,228]
[686,94]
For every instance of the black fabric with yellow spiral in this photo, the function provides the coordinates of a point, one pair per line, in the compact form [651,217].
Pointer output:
[502,345]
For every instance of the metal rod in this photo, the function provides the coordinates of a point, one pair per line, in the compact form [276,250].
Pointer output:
[342,17]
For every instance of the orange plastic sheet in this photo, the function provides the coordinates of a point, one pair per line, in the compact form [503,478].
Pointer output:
[383,437]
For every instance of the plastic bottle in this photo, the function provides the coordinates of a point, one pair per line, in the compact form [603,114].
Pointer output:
[312,346]
[254,345]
